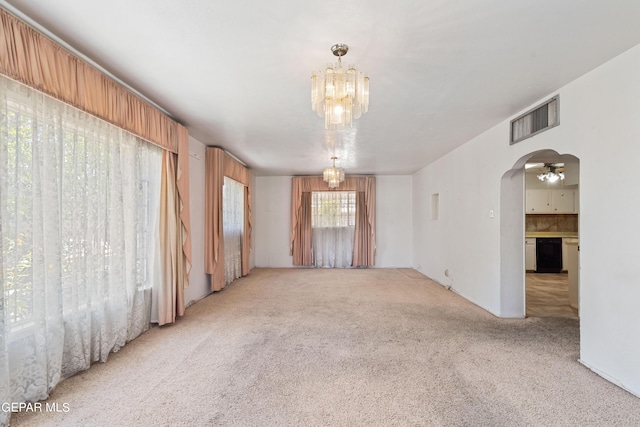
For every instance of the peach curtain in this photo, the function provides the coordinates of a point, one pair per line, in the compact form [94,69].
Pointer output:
[365,233]
[302,246]
[218,165]
[246,235]
[36,61]
[170,291]
[183,186]
[364,245]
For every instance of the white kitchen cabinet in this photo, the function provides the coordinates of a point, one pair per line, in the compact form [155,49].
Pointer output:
[573,270]
[530,254]
[550,201]
[538,201]
[562,201]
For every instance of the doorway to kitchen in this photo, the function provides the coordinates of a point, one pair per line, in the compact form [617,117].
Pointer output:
[532,208]
[551,235]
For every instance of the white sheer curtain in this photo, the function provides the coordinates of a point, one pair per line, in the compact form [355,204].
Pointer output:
[232,225]
[333,216]
[77,203]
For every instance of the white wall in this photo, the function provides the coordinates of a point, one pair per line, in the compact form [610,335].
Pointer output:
[272,206]
[599,125]
[394,212]
[199,283]
[272,221]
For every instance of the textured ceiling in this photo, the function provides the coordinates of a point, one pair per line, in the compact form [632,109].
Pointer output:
[236,73]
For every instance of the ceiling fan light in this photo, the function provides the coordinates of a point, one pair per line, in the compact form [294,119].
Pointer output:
[552,177]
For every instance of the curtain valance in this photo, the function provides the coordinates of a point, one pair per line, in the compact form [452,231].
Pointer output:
[218,165]
[31,58]
[365,233]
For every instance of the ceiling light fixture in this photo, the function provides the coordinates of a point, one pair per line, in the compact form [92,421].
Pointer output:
[551,176]
[339,95]
[333,175]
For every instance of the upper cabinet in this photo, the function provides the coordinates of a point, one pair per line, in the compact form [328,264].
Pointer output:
[563,201]
[538,201]
[551,202]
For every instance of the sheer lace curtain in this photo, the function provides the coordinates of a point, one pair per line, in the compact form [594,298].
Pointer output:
[232,225]
[78,199]
[333,223]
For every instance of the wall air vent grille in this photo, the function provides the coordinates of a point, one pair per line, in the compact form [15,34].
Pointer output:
[539,119]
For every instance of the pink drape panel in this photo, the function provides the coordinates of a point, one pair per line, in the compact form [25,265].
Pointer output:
[172,283]
[365,233]
[213,241]
[246,235]
[302,245]
[36,61]
[182,182]
[218,165]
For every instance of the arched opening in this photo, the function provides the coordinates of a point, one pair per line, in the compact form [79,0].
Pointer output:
[515,224]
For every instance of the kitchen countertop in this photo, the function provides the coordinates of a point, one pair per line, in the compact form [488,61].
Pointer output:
[532,234]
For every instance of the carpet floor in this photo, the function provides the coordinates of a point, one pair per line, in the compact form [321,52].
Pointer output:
[359,347]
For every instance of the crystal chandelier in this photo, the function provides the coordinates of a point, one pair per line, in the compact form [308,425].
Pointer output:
[551,176]
[333,175]
[339,95]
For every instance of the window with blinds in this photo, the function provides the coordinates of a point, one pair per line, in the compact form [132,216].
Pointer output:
[539,119]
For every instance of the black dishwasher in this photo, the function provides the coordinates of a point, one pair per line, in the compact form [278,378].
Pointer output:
[548,255]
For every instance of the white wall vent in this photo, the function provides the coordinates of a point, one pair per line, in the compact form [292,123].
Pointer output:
[540,118]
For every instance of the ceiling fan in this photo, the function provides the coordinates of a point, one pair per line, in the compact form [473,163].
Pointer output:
[551,172]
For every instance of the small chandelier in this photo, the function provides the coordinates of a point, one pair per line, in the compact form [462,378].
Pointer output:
[551,176]
[339,95]
[333,175]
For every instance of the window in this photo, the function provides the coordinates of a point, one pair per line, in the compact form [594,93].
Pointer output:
[79,203]
[333,209]
[61,176]
[232,227]
[333,219]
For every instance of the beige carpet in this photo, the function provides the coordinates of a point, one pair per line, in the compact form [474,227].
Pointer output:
[297,347]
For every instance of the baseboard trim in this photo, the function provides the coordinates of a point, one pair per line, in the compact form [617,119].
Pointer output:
[608,377]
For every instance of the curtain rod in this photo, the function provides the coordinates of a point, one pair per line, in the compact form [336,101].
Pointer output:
[47,33]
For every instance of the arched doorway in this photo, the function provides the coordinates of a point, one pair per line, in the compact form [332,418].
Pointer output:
[513,227]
